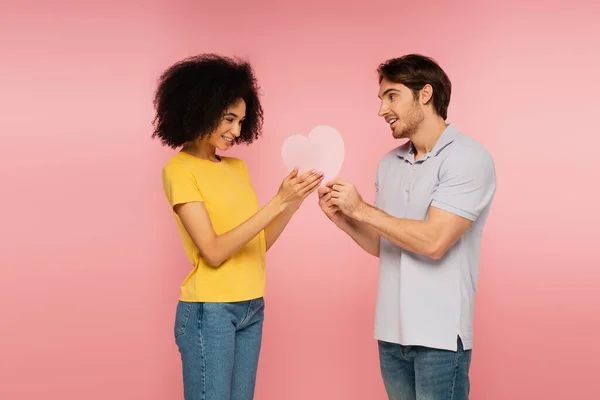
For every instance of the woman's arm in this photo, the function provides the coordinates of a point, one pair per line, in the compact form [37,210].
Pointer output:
[276,227]
[215,249]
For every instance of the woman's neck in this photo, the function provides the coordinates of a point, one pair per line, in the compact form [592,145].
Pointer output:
[202,150]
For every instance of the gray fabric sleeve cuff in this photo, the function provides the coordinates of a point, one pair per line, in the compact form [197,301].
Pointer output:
[453,210]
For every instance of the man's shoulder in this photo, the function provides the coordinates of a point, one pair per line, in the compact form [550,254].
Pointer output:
[466,148]
[466,156]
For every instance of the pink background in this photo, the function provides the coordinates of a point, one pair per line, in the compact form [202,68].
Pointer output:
[91,261]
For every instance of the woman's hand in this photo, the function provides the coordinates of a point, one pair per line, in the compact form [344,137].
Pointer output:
[294,189]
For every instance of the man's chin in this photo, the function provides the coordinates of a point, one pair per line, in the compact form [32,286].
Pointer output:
[402,134]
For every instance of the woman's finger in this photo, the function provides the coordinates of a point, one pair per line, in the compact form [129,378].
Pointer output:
[311,187]
[293,173]
[307,175]
[317,176]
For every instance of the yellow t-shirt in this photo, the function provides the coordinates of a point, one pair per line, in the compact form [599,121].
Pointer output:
[227,193]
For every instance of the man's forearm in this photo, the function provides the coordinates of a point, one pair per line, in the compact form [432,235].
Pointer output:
[362,234]
[411,235]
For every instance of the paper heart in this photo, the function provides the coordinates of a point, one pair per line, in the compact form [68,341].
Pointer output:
[322,150]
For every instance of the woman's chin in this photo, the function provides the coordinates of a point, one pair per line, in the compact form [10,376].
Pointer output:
[224,146]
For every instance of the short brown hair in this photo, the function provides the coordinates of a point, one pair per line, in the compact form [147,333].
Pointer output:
[415,71]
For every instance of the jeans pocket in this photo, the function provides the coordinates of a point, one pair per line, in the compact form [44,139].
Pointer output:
[182,316]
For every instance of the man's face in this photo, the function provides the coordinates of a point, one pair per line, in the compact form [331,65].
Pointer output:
[401,110]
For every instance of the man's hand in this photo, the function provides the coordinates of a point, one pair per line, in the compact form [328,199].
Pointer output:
[366,238]
[331,211]
[345,197]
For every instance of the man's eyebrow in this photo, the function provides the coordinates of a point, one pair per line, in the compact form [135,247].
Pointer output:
[387,91]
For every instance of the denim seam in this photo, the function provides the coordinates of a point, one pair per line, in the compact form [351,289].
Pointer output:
[202,353]
[185,320]
[248,315]
[456,362]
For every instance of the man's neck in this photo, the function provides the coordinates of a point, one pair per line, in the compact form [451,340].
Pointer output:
[427,135]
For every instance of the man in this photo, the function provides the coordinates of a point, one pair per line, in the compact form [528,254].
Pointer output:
[433,195]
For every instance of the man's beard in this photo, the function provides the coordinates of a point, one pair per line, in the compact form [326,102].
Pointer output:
[411,122]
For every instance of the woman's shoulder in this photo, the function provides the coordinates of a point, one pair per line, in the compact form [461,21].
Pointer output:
[175,163]
[234,161]
[183,163]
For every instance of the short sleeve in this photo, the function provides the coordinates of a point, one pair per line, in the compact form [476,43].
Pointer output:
[179,185]
[244,170]
[467,184]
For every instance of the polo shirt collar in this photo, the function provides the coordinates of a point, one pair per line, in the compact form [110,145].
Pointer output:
[407,152]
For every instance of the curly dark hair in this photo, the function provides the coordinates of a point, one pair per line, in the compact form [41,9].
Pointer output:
[194,94]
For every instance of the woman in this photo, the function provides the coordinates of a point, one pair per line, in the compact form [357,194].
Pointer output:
[204,104]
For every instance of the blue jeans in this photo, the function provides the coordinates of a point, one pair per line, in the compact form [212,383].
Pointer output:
[421,373]
[219,345]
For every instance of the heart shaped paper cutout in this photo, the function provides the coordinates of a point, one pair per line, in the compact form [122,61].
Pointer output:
[322,150]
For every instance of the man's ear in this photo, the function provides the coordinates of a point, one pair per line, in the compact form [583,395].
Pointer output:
[426,94]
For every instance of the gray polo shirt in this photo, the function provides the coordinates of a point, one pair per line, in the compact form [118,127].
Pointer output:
[422,301]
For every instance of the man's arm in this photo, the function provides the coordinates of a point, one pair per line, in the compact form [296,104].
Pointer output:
[361,233]
[431,238]
[467,185]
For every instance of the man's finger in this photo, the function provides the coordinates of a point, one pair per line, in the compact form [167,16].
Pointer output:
[323,191]
[339,182]
[331,183]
